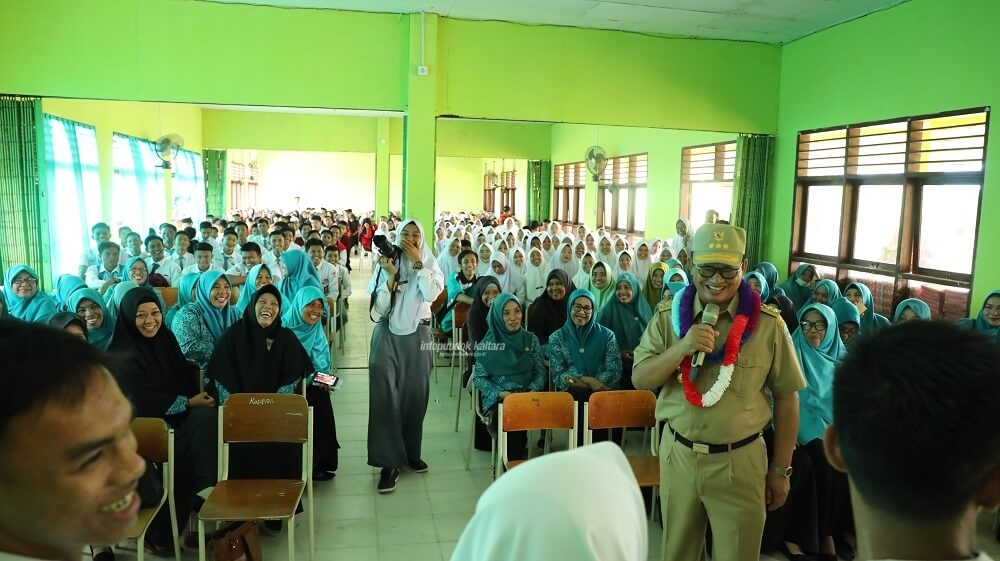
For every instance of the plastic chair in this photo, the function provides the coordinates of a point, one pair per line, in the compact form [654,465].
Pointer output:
[440,337]
[156,443]
[534,411]
[262,417]
[459,316]
[627,409]
[169,295]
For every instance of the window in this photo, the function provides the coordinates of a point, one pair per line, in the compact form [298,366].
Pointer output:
[139,199]
[569,183]
[74,189]
[508,186]
[489,192]
[707,181]
[896,203]
[188,185]
[620,187]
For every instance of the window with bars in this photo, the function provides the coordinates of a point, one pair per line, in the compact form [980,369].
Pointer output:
[508,187]
[569,182]
[490,191]
[621,198]
[707,181]
[894,203]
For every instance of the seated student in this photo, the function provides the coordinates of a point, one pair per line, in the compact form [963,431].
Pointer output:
[601,285]
[487,289]
[642,261]
[509,280]
[624,263]
[300,272]
[23,299]
[509,360]
[824,292]
[109,272]
[91,257]
[676,274]
[583,354]
[89,305]
[582,276]
[485,253]
[66,285]
[911,309]
[225,255]
[69,464]
[155,374]
[563,259]
[208,234]
[113,299]
[535,273]
[461,286]
[137,271]
[250,255]
[182,254]
[798,287]
[626,315]
[200,324]
[914,500]
[670,290]
[167,233]
[819,350]
[303,317]
[159,263]
[859,295]
[332,257]
[848,320]
[133,246]
[448,259]
[988,320]
[546,312]
[203,255]
[327,273]
[655,280]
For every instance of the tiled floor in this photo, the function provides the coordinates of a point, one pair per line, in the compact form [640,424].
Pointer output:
[424,517]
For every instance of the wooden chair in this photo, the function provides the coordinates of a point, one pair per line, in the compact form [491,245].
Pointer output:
[440,337]
[628,409]
[534,411]
[260,417]
[169,296]
[156,443]
[459,316]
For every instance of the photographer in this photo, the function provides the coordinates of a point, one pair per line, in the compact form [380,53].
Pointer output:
[403,286]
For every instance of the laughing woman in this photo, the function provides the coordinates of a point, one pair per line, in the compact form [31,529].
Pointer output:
[860,295]
[601,286]
[626,315]
[200,324]
[257,276]
[988,320]
[24,300]
[547,310]
[303,318]
[89,305]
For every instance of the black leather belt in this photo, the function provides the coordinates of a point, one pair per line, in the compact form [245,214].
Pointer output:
[704,448]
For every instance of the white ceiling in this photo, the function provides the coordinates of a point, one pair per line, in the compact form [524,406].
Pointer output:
[764,21]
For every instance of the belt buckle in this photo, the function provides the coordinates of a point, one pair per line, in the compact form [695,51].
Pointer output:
[699,447]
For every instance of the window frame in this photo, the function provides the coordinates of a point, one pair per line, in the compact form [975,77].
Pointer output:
[571,180]
[609,181]
[720,173]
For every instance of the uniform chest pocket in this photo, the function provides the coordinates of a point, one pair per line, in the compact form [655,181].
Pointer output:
[748,377]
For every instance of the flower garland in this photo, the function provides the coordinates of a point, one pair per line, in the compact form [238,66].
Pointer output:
[744,324]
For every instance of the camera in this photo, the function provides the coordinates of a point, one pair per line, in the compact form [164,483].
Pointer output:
[385,248]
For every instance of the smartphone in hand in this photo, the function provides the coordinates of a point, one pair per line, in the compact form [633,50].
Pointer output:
[330,382]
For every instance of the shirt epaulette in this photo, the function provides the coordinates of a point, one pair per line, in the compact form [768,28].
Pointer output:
[773,311]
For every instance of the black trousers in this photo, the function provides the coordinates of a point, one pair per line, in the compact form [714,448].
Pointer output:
[797,521]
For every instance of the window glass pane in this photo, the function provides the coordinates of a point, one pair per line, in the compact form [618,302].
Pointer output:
[607,208]
[710,196]
[640,210]
[823,219]
[578,197]
[876,229]
[948,227]
[622,209]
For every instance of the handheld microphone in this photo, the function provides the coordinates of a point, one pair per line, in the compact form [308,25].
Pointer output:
[709,316]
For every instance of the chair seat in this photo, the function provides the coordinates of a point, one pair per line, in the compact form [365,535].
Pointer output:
[646,470]
[440,335]
[141,521]
[511,464]
[253,499]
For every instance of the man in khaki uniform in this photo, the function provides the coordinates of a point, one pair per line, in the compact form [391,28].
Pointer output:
[713,462]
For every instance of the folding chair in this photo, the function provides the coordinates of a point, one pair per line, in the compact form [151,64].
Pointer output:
[169,296]
[156,443]
[479,415]
[628,409]
[534,411]
[262,417]
[459,315]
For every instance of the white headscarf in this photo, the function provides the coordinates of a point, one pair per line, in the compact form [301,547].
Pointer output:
[411,306]
[538,511]
[510,280]
[641,266]
[617,268]
[485,268]
[446,262]
[581,278]
[534,277]
[523,267]
[609,257]
[556,262]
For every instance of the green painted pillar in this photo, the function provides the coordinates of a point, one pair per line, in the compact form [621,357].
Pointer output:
[382,168]
[419,126]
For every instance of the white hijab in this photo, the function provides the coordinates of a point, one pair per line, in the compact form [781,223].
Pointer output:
[446,262]
[510,280]
[581,278]
[538,511]
[485,268]
[534,277]
[609,257]
[556,262]
[641,266]
[523,267]
[617,267]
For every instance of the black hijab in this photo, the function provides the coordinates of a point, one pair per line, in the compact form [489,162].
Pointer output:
[154,369]
[242,363]
[478,311]
[546,314]
[62,320]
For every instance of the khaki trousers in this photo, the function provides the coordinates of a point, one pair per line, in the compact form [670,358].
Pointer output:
[724,489]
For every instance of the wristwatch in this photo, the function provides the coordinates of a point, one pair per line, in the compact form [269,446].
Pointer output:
[418,265]
[785,472]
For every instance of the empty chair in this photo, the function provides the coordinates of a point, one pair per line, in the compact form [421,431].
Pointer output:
[155,443]
[534,411]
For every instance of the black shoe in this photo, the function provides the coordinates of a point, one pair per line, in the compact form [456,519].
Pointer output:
[387,482]
[793,556]
[419,466]
[271,527]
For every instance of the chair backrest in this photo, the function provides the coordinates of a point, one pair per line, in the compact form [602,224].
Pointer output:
[152,437]
[440,301]
[169,296]
[621,408]
[459,315]
[538,410]
[265,417]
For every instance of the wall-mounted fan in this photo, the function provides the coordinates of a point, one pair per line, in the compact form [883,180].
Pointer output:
[166,148]
[597,161]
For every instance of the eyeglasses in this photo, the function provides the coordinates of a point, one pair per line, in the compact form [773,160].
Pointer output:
[24,281]
[708,272]
[818,326]
[577,309]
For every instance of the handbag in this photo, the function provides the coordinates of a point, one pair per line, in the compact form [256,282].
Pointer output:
[236,542]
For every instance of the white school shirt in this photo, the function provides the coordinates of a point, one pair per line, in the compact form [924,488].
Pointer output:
[219,258]
[275,264]
[166,267]
[183,261]
[413,299]
[97,275]
[194,269]
[328,277]
[345,281]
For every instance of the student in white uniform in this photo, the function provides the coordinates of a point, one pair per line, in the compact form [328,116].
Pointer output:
[181,255]
[203,260]
[109,272]
[327,273]
[91,257]
[159,263]
[273,258]
[227,253]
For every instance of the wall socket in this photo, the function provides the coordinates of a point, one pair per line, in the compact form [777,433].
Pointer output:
[422,70]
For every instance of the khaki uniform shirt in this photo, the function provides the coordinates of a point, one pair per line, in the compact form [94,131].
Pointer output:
[766,360]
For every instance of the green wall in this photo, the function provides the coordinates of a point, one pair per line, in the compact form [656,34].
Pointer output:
[262,130]
[924,56]
[569,142]
[493,139]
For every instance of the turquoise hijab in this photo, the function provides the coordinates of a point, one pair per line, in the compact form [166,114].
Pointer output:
[301,273]
[586,344]
[38,308]
[627,321]
[312,337]
[846,312]
[676,271]
[675,288]
[832,290]
[765,289]
[770,273]
[113,299]
[504,352]
[818,366]
[184,289]
[250,286]
[217,320]
[602,296]
[799,294]
[100,337]
[918,306]
[979,324]
[871,322]
[65,287]
[674,264]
